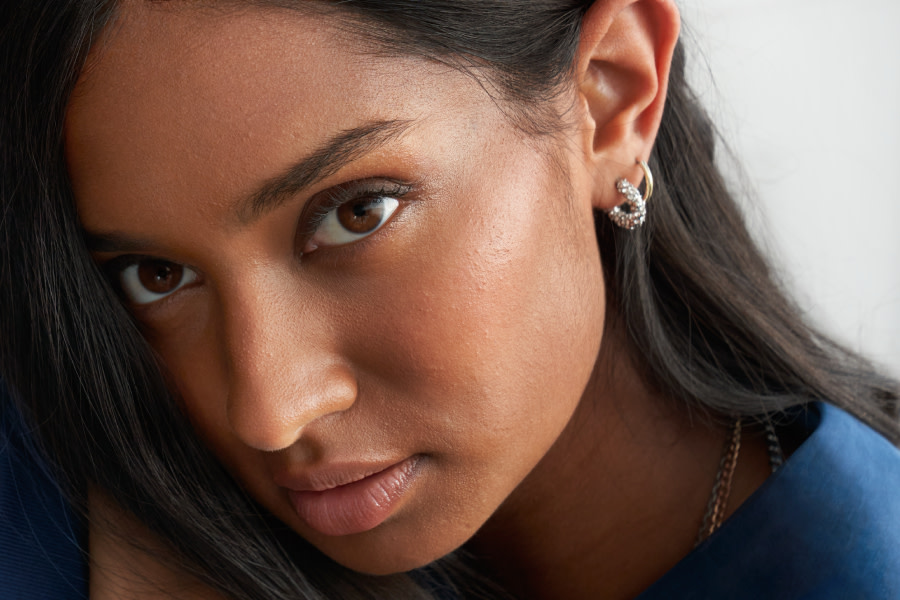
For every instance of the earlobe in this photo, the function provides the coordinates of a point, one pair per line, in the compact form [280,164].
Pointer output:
[622,70]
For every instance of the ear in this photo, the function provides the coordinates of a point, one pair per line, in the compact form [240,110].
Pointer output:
[622,70]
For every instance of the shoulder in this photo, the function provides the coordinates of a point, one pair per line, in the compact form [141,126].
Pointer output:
[40,541]
[826,525]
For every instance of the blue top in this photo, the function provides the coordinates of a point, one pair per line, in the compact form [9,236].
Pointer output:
[826,525]
[40,540]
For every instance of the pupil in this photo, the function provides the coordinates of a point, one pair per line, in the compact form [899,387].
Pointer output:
[360,217]
[159,277]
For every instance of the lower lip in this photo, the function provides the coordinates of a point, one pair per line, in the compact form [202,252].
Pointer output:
[358,506]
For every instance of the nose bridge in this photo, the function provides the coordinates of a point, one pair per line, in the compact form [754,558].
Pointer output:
[283,370]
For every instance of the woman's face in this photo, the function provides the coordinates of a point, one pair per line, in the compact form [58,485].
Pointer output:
[379,301]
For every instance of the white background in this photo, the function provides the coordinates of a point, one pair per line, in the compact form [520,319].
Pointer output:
[807,94]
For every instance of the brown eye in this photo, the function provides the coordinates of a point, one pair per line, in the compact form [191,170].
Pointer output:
[148,280]
[159,277]
[361,216]
[352,221]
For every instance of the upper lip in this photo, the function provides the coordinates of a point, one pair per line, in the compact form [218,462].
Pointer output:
[332,475]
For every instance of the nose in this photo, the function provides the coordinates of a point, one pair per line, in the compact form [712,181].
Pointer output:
[283,371]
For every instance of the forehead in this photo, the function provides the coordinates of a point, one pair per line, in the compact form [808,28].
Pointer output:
[170,57]
[178,97]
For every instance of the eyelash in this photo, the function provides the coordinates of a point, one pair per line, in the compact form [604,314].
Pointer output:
[338,196]
[115,267]
[328,201]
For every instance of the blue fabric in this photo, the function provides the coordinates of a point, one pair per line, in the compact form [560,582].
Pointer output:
[40,556]
[825,526]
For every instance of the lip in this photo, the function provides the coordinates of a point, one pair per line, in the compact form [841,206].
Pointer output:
[343,500]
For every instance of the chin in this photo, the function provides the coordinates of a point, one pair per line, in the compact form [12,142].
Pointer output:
[387,553]
[384,563]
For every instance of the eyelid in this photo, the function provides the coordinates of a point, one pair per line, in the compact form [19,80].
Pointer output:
[115,268]
[327,200]
[324,202]
[115,265]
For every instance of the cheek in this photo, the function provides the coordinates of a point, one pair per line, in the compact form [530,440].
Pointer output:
[493,326]
[487,338]
[195,358]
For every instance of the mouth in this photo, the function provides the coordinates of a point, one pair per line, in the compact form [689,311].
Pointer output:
[354,500]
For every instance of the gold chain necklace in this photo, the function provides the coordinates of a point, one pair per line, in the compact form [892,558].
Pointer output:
[718,498]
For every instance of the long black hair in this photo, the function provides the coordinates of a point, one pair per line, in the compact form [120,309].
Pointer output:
[706,322]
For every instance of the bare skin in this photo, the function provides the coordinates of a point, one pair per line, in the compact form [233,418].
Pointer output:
[464,337]
[655,470]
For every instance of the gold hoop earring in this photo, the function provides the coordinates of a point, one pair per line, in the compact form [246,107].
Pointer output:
[636,204]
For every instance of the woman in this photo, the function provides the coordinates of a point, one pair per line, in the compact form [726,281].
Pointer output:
[301,297]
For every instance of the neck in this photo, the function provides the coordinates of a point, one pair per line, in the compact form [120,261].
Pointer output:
[617,501]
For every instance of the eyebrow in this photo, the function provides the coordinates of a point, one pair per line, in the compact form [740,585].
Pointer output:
[114,242]
[330,157]
[327,159]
